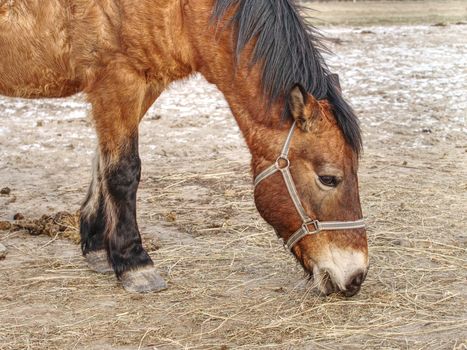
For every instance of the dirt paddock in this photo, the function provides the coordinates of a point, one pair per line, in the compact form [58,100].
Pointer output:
[231,283]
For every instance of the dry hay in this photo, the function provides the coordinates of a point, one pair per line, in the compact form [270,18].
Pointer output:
[233,286]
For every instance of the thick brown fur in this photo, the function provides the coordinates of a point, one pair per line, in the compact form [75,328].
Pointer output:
[123,54]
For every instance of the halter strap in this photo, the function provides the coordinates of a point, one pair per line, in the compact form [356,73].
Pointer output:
[282,165]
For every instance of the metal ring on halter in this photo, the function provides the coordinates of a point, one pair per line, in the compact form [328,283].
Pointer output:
[304,230]
[282,168]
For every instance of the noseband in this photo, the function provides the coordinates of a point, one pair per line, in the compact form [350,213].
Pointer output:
[309,226]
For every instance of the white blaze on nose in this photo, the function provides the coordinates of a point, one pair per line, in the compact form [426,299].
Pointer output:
[341,265]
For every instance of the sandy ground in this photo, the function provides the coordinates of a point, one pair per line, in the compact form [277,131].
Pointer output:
[232,285]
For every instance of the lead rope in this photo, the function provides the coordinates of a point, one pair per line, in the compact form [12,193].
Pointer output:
[282,165]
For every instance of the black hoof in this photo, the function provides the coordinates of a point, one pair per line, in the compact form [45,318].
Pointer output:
[97,261]
[143,280]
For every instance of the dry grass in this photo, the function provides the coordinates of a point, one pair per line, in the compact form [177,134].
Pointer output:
[233,286]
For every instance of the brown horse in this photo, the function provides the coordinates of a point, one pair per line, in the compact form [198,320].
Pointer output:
[267,62]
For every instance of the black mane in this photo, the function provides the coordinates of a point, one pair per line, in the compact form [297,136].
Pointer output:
[290,52]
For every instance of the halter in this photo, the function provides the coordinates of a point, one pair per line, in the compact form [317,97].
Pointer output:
[282,164]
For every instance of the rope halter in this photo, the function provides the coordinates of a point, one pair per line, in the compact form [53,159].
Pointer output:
[309,226]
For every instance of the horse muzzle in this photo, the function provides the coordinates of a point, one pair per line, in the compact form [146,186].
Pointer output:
[342,271]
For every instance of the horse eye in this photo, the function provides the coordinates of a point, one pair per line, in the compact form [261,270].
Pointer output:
[330,181]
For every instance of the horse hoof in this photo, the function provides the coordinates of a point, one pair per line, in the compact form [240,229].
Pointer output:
[97,261]
[143,280]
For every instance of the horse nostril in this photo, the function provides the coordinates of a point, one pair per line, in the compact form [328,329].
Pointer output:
[354,286]
[357,280]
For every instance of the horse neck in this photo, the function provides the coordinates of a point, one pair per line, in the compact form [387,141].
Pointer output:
[261,125]
[213,56]
[259,121]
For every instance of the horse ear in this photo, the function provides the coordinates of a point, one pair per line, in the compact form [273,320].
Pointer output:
[298,101]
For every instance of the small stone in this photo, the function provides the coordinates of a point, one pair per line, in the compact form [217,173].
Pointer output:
[171,216]
[3,251]
[18,216]
[5,225]
[5,191]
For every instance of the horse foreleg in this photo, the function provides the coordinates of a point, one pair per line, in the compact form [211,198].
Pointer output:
[119,100]
[92,213]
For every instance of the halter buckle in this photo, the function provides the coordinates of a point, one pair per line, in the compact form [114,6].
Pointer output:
[314,223]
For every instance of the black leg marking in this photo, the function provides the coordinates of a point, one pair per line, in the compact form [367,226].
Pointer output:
[121,183]
[92,228]
[130,261]
[92,214]
[93,225]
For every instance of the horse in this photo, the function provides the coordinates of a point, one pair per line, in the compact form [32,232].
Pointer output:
[304,138]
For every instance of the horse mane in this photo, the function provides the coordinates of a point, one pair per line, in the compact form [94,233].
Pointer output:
[290,51]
